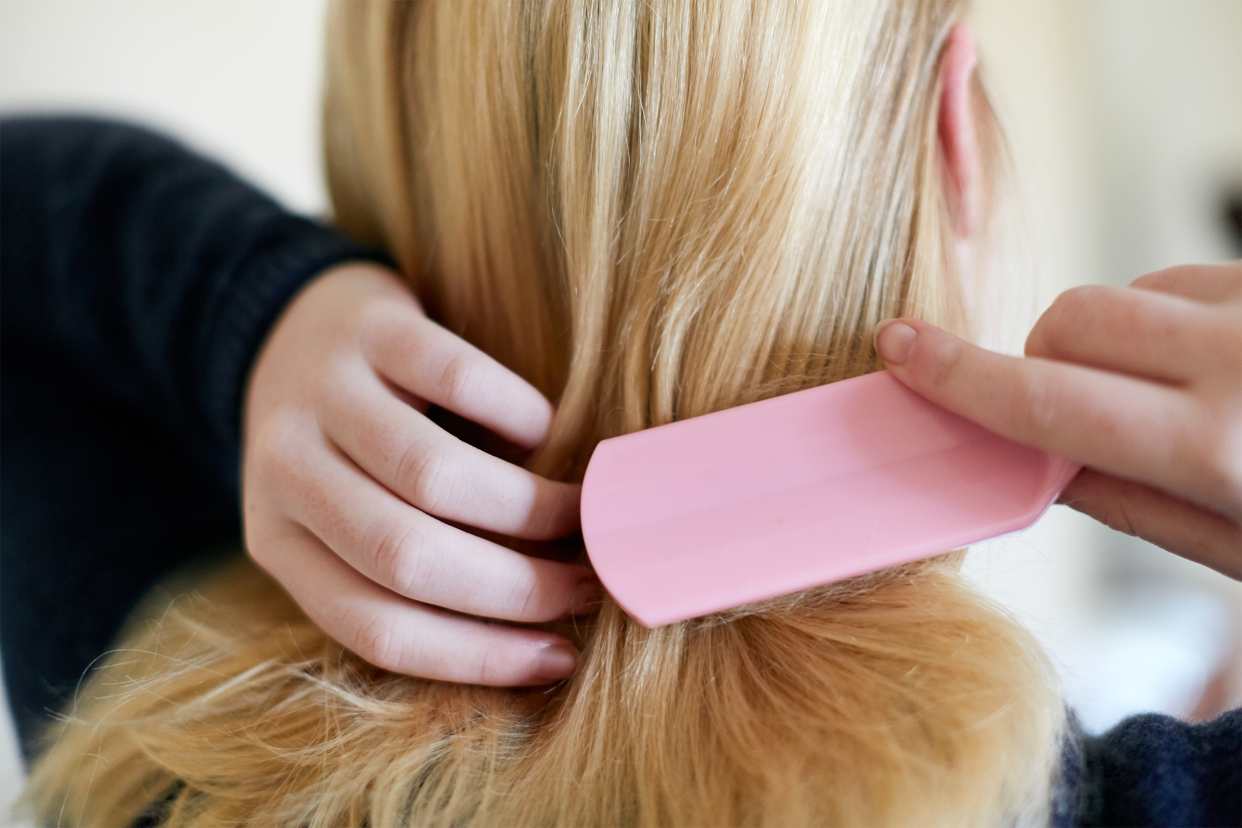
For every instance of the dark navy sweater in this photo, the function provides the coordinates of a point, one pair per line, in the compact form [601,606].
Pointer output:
[137,282]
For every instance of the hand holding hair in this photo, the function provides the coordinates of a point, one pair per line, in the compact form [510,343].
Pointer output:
[1143,385]
[346,485]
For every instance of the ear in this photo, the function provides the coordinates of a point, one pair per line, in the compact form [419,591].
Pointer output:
[959,148]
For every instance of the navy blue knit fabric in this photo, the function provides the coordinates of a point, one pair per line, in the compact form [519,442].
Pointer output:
[1158,770]
[137,281]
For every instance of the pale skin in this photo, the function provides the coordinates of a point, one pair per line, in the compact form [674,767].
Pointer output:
[347,484]
[1142,384]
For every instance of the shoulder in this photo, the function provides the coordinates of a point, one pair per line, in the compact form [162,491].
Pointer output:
[1155,770]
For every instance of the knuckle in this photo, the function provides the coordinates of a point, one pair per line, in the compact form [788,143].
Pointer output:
[279,446]
[425,477]
[527,599]
[422,572]
[1117,516]
[372,438]
[543,592]
[394,556]
[457,383]
[1069,312]
[1072,313]
[486,667]
[377,641]
[328,382]
[943,365]
[1037,406]
[375,333]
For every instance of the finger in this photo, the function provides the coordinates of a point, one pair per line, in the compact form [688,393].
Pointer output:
[1202,283]
[405,637]
[1137,332]
[1171,523]
[425,359]
[437,472]
[417,556]
[1097,418]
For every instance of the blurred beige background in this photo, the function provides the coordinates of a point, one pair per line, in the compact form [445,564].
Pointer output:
[1125,119]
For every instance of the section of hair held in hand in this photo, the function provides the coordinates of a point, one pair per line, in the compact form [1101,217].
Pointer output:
[650,211]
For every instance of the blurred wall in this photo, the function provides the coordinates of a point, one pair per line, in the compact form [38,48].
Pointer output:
[1125,122]
[1168,105]
[238,79]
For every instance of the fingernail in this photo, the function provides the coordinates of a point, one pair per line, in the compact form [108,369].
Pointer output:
[586,598]
[555,662]
[895,340]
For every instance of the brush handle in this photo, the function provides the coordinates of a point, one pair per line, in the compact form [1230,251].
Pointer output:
[792,492]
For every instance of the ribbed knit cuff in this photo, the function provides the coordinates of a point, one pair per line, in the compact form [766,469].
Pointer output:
[299,251]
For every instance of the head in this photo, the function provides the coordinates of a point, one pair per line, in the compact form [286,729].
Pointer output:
[651,211]
[654,211]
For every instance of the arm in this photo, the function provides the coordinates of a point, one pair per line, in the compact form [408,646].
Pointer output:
[153,271]
[136,281]
[165,280]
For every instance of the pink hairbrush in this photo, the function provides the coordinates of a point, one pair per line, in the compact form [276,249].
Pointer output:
[788,493]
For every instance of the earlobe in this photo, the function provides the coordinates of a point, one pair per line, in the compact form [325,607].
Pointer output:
[958,144]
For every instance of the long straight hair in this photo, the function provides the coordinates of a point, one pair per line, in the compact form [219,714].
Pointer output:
[651,210]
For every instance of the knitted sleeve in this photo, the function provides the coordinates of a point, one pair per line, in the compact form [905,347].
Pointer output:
[154,271]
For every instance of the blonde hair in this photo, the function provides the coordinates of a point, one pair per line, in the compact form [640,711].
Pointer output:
[651,210]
